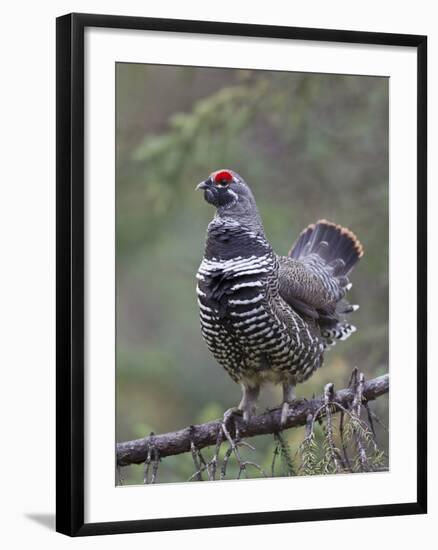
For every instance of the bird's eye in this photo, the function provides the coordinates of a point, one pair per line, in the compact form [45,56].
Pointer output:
[223,178]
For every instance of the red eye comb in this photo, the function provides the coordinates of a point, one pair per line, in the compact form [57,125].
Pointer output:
[223,176]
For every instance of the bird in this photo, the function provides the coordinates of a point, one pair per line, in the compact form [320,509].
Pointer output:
[268,318]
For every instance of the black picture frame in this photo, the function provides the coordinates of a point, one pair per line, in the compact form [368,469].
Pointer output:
[70,272]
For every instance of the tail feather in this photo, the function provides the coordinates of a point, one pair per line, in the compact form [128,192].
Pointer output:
[341,331]
[336,245]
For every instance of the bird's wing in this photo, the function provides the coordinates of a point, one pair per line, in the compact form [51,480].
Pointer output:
[309,289]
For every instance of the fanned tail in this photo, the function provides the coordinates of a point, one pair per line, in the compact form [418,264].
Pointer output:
[336,245]
[331,251]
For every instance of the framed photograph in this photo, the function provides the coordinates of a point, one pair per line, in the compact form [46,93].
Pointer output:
[228,195]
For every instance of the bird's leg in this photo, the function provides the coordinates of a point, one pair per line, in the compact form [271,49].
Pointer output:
[248,403]
[246,407]
[288,397]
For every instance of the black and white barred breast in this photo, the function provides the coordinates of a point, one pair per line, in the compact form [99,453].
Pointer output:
[249,328]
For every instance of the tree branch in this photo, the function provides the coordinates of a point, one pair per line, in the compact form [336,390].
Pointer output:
[204,435]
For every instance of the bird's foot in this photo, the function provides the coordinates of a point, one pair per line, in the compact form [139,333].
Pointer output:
[248,403]
[285,408]
[288,397]
[232,414]
[284,414]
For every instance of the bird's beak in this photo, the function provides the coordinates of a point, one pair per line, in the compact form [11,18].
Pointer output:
[202,185]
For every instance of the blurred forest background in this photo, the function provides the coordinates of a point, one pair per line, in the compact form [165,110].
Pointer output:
[311,146]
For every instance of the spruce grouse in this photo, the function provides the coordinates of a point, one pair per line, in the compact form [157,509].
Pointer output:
[265,317]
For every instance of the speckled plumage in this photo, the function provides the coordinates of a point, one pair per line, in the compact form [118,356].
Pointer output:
[263,316]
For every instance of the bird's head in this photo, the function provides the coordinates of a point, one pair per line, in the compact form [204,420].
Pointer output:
[232,197]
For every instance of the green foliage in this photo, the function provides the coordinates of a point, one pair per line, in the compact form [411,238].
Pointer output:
[309,456]
[359,433]
[326,457]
